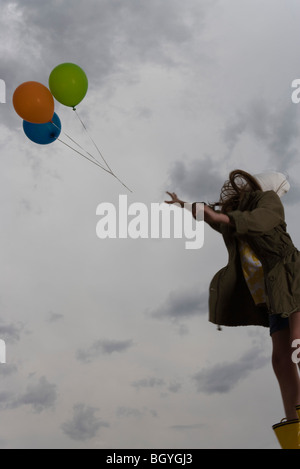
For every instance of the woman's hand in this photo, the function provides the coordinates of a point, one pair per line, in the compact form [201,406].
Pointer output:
[174,200]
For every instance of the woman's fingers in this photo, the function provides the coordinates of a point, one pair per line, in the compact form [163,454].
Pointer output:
[173,197]
[172,194]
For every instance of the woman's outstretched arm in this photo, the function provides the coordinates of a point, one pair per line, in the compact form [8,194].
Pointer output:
[210,216]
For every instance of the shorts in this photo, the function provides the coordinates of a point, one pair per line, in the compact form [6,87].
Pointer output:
[277,323]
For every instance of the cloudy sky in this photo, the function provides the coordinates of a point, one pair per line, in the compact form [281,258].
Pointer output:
[108,342]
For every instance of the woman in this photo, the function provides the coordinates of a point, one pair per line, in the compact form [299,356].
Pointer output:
[261,283]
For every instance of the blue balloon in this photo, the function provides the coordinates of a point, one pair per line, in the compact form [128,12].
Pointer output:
[43,134]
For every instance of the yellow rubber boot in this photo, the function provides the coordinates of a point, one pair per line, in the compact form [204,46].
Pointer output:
[298,410]
[288,434]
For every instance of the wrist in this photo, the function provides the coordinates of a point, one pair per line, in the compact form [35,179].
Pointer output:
[223,218]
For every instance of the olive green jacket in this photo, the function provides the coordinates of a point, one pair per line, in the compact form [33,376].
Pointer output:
[260,221]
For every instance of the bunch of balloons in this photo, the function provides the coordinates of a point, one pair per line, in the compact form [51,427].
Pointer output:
[34,102]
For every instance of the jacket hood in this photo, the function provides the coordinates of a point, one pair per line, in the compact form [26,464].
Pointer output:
[273,181]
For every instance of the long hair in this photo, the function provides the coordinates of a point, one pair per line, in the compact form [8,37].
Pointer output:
[234,189]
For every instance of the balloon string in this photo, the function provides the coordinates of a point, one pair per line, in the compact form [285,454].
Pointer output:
[84,156]
[94,162]
[120,181]
[94,143]
[97,148]
[76,143]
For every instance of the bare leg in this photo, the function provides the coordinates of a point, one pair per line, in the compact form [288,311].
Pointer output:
[285,370]
[295,333]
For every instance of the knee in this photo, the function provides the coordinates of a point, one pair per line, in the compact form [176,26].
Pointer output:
[281,360]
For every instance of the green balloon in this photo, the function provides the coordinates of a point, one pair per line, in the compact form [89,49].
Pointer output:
[69,84]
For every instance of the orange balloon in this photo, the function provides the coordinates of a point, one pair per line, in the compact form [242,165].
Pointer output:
[34,102]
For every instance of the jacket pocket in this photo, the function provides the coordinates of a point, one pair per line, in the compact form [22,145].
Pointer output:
[292,270]
[279,289]
[290,275]
[283,288]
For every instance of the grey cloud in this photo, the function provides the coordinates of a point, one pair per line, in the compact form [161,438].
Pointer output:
[148,383]
[131,412]
[234,130]
[40,396]
[10,332]
[174,387]
[293,196]
[223,377]
[54,317]
[109,39]
[196,180]
[282,143]
[277,131]
[182,304]
[4,399]
[84,425]
[103,347]
[276,128]
[8,370]
[122,32]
